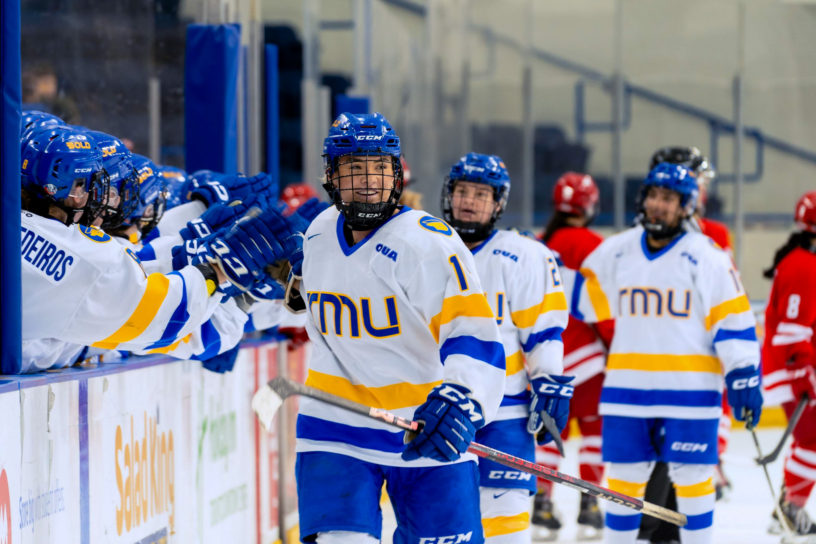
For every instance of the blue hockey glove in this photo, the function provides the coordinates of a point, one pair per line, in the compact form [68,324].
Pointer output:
[551,395]
[310,209]
[213,188]
[745,394]
[223,362]
[267,289]
[450,419]
[217,217]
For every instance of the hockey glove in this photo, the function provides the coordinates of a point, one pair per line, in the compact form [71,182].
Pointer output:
[223,362]
[450,418]
[310,209]
[551,395]
[745,394]
[216,217]
[803,377]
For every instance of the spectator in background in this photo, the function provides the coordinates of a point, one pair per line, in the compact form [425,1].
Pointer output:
[41,91]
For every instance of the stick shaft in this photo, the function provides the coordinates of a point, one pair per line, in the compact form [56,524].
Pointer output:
[291,387]
[783,521]
[797,413]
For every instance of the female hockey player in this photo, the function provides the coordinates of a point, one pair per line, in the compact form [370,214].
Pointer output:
[682,320]
[521,279]
[575,198]
[789,355]
[398,320]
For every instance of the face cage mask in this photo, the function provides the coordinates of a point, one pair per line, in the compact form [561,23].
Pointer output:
[149,222]
[114,216]
[364,215]
[98,193]
[469,231]
[660,230]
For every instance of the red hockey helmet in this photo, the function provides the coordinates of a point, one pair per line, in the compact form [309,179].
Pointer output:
[805,213]
[406,172]
[576,194]
[296,194]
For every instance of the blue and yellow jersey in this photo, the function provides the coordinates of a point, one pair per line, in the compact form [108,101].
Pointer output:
[390,318]
[682,321]
[521,279]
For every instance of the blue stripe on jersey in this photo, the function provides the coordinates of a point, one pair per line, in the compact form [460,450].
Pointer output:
[517,399]
[211,340]
[491,353]
[576,296]
[622,523]
[177,320]
[313,428]
[146,253]
[660,397]
[728,334]
[553,333]
[700,521]
[484,242]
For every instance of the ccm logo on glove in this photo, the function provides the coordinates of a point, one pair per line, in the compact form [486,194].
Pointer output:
[462,401]
[744,383]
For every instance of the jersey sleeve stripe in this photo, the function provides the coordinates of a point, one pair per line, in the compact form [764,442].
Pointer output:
[660,397]
[387,397]
[211,341]
[553,333]
[575,297]
[142,316]
[177,320]
[514,363]
[491,353]
[699,521]
[728,334]
[528,317]
[623,522]
[664,362]
[171,347]
[600,304]
[721,311]
[313,428]
[474,305]
[695,490]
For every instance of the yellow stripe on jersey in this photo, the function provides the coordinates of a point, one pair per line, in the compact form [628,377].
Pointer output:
[723,310]
[695,490]
[474,305]
[663,363]
[528,317]
[174,345]
[633,489]
[514,363]
[387,397]
[142,316]
[504,525]
[600,304]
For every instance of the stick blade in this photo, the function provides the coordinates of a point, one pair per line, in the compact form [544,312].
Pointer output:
[265,403]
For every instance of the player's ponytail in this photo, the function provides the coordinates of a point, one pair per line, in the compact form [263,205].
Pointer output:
[557,221]
[801,239]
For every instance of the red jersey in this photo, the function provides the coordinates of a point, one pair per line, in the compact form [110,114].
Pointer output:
[716,231]
[584,351]
[790,322]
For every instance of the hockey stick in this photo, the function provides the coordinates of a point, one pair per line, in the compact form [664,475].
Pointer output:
[797,413]
[267,400]
[783,521]
[552,428]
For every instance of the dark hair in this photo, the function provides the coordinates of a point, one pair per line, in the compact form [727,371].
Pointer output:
[801,239]
[557,221]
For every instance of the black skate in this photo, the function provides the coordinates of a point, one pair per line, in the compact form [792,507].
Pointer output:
[546,521]
[797,520]
[590,519]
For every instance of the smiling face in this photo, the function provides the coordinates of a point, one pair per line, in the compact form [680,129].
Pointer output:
[367,178]
[473,202]
[662,205]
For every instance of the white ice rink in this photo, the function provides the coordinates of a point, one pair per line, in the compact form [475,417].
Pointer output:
[742,519]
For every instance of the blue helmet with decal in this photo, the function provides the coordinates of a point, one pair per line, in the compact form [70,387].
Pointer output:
[362,154]
[175,178]
[68,173]
[152,195]
[124,179]
[34,143]
[674,177]
[476,168]
[34,119]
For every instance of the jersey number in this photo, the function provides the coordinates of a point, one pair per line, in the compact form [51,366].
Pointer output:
[460,275]
[793,306]
[554,272]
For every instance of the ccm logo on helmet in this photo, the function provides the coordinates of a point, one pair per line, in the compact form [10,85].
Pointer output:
[745,383]
[369,137]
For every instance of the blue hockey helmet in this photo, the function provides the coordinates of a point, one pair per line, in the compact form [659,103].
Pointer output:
[677,178]
[69,174]
[152,195]
[476,168]
[34,119]
[124,179]
[175,178]
[371,137]
[34,143]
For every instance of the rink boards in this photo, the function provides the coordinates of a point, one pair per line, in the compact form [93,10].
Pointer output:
[154,450]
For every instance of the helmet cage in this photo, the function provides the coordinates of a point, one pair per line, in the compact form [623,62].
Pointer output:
[677,178]
[472,231]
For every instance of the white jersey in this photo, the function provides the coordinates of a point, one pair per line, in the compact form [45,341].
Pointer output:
[682,320]
[521,280]
[390,318]
[80,286]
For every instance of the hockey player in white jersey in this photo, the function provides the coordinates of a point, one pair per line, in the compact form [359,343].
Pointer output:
[521,280]
[399,321]
[80,287]
[683,322]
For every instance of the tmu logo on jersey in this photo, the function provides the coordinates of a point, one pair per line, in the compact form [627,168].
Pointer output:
[654,302]
[52,262]
[346,314]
